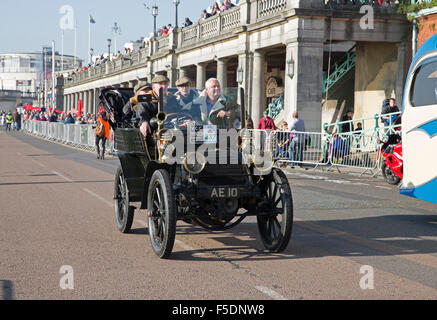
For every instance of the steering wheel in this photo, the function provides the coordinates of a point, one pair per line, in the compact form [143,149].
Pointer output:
[178,118]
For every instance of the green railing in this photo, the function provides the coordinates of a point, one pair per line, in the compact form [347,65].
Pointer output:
[339,71]
[276,107]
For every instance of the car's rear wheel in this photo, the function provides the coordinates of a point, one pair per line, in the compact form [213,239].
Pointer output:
[124,214]
[162,213]
[276,219]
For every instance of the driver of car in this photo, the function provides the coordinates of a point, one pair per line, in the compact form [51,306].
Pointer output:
[213,106]
[185,97]
[147,110]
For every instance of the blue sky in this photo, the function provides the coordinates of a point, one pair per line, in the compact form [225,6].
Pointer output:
[27,25]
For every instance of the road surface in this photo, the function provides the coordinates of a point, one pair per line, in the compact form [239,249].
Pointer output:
[353,238]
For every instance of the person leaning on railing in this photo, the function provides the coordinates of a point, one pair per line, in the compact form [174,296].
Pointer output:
[391,107]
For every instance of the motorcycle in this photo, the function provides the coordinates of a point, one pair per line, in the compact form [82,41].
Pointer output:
[392,165]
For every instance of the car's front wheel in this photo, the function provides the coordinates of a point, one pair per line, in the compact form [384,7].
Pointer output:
[162,213]
[275,220]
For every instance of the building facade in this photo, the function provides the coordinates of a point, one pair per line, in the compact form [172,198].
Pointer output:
[285,49]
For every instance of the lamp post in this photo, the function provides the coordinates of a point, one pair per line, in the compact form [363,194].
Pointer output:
[109,48]
[154,14]
[176,3]
[240,76]
[116,30]
[290,69]
[91,55]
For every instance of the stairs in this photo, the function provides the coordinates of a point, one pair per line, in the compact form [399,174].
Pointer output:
[339,70]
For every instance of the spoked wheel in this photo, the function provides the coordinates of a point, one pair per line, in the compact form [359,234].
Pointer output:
[124,214]
[162,214]
[276,221]
[389,175]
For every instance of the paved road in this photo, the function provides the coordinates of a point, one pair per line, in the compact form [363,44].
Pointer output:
[57,210]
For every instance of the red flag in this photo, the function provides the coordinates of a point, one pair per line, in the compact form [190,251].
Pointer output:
[79,109]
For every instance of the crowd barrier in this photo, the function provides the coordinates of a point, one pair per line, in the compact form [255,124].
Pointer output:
[357,149]
[75,135]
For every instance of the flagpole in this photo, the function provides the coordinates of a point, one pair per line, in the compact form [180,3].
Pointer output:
[89,39]
[75,42]
[53,75]
[62,52]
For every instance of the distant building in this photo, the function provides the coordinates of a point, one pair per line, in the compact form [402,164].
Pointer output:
[24,71]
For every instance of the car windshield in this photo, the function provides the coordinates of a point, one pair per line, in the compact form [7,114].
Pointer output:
[213,106]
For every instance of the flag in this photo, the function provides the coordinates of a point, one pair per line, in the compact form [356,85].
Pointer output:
[92,19]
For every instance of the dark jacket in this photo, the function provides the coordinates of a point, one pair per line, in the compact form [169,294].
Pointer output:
[148,110]
[69,120]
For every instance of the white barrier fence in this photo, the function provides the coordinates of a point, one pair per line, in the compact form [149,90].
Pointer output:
[358,149]
[76,135]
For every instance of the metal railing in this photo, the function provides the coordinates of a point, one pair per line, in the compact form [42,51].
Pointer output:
[359,150]
[370,125]
[80,136]
[356,149]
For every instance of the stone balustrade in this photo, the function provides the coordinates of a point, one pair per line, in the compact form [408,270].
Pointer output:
[228,23]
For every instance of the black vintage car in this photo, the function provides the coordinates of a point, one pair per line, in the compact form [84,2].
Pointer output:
[199,165]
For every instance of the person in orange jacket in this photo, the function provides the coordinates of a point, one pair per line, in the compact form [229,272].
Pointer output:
[102,136]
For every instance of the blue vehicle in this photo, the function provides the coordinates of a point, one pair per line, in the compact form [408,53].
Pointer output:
[419,125]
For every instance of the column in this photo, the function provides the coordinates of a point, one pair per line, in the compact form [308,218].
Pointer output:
[303,85]
[182,73]
[65,102]
[244,60]
[76,100]
[90,101]
[401,72]
[258,101]
[172,75]
[85,102]
[200,75]
[222,70]
[97,100]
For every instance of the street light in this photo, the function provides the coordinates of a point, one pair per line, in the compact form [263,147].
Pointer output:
[109,48]
[91,54]
[154,14]
[240,75]
[290,69]
[176,3]
[116,30]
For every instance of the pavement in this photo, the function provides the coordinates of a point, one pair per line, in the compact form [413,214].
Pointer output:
[353,238]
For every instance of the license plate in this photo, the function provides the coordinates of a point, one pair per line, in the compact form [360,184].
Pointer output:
[224,192]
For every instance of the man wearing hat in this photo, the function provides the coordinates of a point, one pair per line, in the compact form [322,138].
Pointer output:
[148,110]
[130,108]
[185,97]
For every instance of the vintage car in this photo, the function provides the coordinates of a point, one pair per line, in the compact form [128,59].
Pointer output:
[193,168]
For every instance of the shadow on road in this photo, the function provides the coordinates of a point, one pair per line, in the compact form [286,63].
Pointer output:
[53,182]
[7,290]
[370,236]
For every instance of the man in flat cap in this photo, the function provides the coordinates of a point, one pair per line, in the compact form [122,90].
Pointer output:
[130,108]
[148,110]
[185,97]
